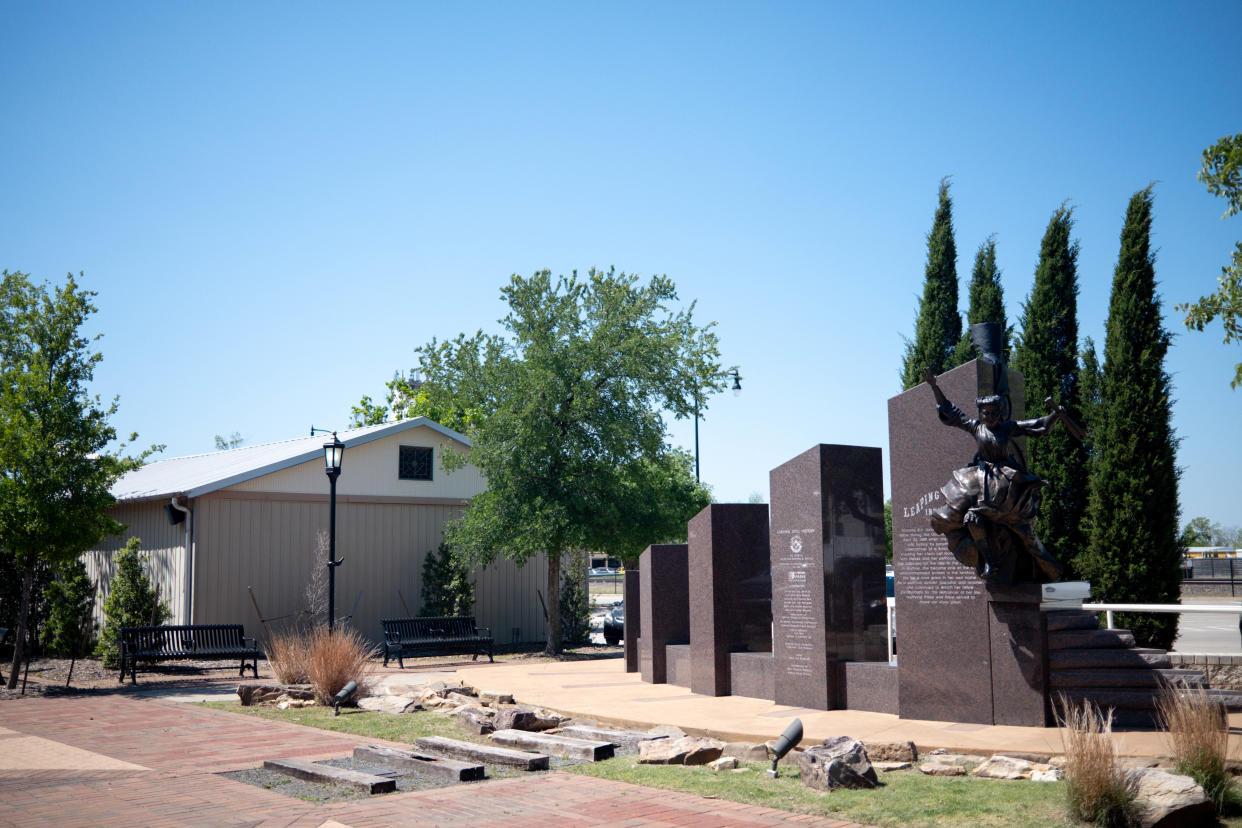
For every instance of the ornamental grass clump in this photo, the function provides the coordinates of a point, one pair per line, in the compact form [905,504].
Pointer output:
[1097,787]
[1198,728]
[335,659]
[288,653]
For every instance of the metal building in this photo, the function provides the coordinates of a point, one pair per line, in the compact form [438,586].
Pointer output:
[248,521]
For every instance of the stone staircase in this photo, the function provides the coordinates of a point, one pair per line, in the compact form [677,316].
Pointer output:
[1086,663]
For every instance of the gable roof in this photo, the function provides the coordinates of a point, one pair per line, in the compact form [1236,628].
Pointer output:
[200,474]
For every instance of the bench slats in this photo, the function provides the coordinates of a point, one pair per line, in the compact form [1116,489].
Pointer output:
[403,636]
[187,641]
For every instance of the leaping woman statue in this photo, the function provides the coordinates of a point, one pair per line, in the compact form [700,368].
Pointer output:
[990,504]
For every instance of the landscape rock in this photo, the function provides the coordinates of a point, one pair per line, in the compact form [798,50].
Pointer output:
[687,750]
[294,704]
[524,717]
[748,752]
[251,693]
[478,719]
[671,731]
[936,768]
[1049,775]
[493,697]
[892,751]
[454,697]
[723,763]
[886,767]
[1004,767]
[390,704]
[840,762]
[1166,800]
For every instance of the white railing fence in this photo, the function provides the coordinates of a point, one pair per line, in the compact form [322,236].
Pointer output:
[1109,609]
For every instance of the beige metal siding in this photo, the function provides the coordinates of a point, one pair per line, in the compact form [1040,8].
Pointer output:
[163,544]
[371,469]
[268,543]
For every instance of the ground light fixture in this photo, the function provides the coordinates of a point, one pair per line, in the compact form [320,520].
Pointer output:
[791,737]
[343,695]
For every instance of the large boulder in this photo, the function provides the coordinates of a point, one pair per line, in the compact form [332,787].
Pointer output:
[531,719]
[1166,800]
[841,762]
[688,750]
[257,692]
[1004,767]
[477,719]
[390,704]
[891,751]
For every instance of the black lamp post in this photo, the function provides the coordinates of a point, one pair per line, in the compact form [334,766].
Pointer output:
[737,392]
[332,454]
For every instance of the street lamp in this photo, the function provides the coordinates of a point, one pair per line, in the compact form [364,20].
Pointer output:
[737,392]
[332,454]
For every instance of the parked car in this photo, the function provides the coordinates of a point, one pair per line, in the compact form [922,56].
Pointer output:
[614,624]
[602,571]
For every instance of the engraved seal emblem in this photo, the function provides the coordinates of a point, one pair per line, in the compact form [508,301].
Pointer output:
[795,544]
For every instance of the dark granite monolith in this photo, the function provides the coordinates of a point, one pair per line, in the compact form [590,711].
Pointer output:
[730,591]
[828,603]
[664,599]
[965,653]
[633,619]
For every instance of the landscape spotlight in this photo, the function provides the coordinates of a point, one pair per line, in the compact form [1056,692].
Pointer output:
[790,738]
[348,691]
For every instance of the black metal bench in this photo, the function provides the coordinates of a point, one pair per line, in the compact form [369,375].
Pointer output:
[456,634]
[201,642]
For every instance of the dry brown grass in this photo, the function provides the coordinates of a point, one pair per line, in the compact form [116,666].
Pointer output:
[1097,787]
[1198,728]
[335,659]
[288,653]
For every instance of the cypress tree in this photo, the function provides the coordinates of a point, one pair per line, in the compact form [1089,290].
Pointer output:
[1133,555]
[1047,356]
[987,301]
[938,326]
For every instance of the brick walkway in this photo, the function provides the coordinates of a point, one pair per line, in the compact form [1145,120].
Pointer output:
[184,749]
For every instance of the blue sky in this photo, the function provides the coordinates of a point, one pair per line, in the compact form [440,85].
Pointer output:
[277,202]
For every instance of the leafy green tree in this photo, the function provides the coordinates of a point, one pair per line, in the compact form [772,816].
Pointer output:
[131,602]
[55,467]
[1133,554]
[567,417]
[1199,532]
[1047,356]
[575,600]
[888,532]
[407,399]
[987,301]
[938,326]
[1222,173]
[71,602]
[447,589]
[232,441]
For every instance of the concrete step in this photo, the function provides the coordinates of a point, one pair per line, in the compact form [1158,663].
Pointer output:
[492,755]
[1093,658]
[452,770]
[1090,639]
[1117,699]
[1123,677]
[565,747]
[1231,699]
[327,774]
[1072,620]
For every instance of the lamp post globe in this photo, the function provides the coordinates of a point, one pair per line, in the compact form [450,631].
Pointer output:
[333,454]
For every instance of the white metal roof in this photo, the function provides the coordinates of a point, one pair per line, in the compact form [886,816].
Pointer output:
[199,474]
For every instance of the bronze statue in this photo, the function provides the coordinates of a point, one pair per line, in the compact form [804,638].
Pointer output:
[990,504]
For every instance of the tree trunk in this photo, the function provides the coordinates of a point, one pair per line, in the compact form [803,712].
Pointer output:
[554,603]
[19,642]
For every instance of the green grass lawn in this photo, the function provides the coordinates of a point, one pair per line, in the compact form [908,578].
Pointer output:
[907,799]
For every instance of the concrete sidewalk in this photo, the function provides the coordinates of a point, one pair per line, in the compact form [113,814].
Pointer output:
[601,689]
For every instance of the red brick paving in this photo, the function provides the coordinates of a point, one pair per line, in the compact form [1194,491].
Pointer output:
[185,748]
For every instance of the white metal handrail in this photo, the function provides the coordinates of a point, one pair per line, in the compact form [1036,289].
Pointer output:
[1109,609]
